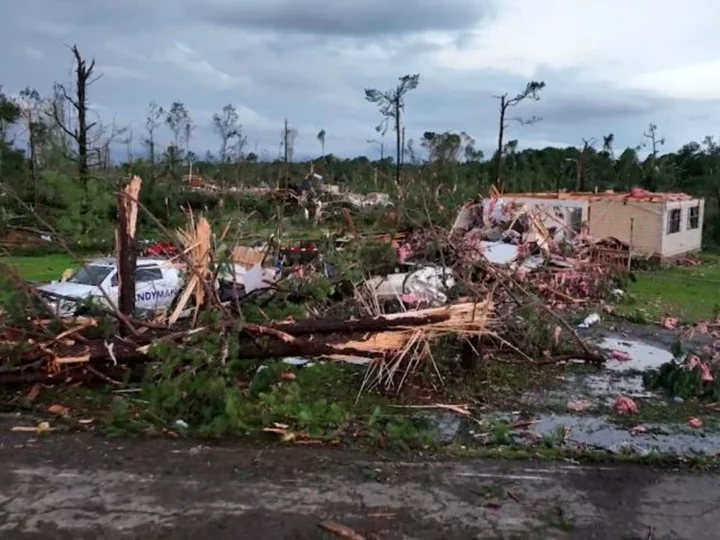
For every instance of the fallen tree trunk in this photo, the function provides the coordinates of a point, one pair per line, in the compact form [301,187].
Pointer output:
[389,338]
[375,324]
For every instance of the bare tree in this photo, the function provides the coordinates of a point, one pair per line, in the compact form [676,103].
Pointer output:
[152,122]
[289,134]
[321,137]
[178,120]
[583,164]
[381,145]
[104,139]
[530,92]
[652,165]
[31,109]
[79,103]
[392,105]
[227,127]
[655,141]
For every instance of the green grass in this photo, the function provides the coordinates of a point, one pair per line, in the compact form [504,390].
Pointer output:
[43,268]
[688,293]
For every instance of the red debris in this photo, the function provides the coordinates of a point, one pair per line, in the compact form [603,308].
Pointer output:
[625,405]
[621,356]
[671,323]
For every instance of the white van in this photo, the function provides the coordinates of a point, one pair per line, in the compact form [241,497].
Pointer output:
[157,282]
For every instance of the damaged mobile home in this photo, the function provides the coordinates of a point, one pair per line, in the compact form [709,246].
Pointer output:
[663,225]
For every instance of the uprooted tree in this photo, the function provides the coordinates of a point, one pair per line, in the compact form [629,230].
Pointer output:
[392,105]
[530,92]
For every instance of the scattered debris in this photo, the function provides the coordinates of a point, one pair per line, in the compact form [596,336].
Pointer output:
[342,531]
[671,323]
[621,356]
[579,405]
[591,319]
[625,405]
[60,410]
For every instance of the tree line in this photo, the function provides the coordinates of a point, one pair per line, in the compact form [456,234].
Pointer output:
[66,173]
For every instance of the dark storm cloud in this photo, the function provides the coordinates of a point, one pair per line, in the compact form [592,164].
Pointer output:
[345,18]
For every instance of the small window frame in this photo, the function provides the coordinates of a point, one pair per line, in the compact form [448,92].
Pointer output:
[674,220]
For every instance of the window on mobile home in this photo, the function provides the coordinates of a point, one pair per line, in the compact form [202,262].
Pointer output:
[673,225]
[694,217]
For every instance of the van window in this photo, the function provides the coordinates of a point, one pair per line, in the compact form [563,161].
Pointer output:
[143,274]
[146,274]
[91,275]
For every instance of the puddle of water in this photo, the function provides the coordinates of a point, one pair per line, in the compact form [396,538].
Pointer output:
[601,388]
[598,433]
[643,356]
[616,378]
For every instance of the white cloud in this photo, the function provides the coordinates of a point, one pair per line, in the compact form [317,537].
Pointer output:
[700,81]
[608,41]
[609,66]
[32,52]
[120,72]
[184,58]
[48,28]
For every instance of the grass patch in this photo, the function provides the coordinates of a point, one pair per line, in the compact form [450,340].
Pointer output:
[43,268]
[689,293]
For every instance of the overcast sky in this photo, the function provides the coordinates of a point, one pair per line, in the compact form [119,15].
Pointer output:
[610,66]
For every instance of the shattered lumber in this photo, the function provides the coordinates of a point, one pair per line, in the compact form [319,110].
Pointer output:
[385,336]
[125,247]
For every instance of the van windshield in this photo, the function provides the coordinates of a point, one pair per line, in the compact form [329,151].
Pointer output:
[91,275]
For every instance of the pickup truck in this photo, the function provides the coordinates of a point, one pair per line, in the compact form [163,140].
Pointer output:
[157,282]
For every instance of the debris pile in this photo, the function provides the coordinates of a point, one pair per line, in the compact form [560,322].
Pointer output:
[472,284]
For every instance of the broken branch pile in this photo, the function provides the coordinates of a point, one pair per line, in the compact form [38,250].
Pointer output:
[72,356]
[484,274]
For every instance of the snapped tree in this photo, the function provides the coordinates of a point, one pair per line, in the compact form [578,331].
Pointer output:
[321,137]
[530,92]
[79,104]
[392,105]
[155,114]
[227,126]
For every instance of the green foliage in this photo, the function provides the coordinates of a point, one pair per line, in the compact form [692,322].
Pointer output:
[502,433]
[399,432]
[676,379]
[316,417]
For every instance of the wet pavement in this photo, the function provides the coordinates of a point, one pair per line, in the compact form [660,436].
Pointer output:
[80,487]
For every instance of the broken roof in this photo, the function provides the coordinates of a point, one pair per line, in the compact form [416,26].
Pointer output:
[636,194]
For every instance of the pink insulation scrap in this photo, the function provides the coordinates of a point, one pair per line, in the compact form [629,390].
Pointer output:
[625,405]
[671,323]
[692,361]
[404,253]
[621,356]
[695,423]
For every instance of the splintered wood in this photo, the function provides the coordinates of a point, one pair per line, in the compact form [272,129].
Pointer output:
[468,319]
[408,346]
[124,242]
[197,243]
[247,257]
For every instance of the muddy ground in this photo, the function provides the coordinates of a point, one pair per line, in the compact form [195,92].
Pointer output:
[84,485]
[87,487]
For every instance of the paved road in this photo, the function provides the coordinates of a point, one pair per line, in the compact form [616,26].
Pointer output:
[87,487]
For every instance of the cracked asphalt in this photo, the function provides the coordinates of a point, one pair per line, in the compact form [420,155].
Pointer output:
[83,486]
